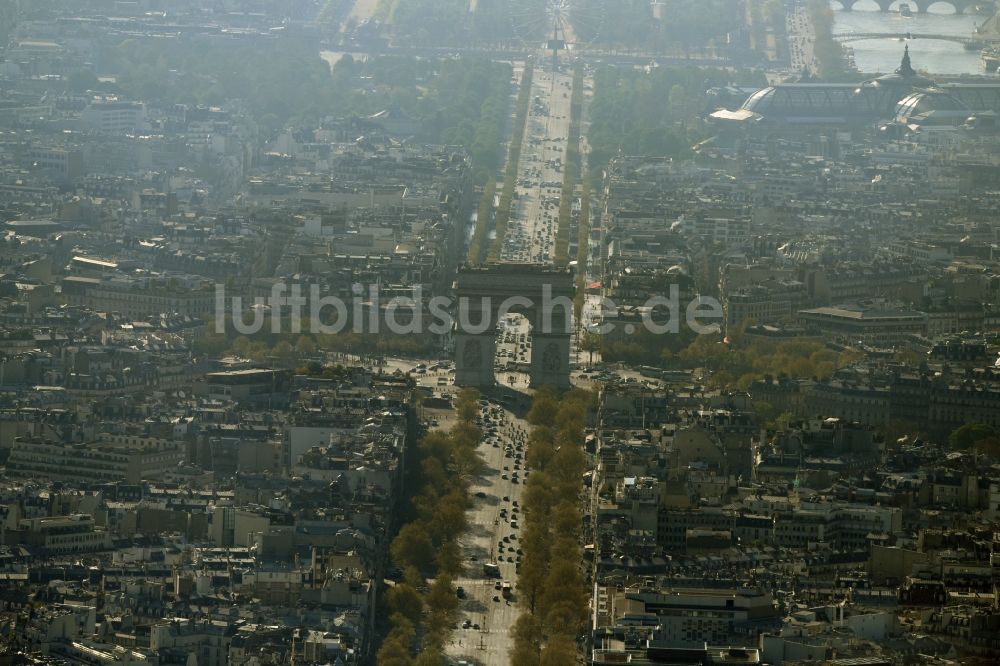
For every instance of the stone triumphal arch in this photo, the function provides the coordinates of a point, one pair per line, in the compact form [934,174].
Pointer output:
[486,294]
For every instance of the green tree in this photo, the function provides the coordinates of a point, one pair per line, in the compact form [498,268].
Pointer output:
[283,350]
[80,81]
[590,343]
[305,345]
[766,413]
[978,437]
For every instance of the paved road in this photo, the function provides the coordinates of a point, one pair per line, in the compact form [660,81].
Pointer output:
[801,40]
[490,523]
[532,229]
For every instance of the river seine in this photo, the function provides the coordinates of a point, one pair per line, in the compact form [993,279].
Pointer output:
[931,55]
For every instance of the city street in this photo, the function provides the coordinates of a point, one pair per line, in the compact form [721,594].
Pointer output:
[493,525]
[486,616]
[531,233]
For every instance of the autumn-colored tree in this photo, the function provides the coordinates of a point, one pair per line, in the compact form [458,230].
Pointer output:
[550,585]
[466,461]
[559,651]
[564,604]
[540,449]
[448,521]
[527,635]
[430,657]
[467,404]
[441,606]
[449,559]
[565,522]
[305,345]
[436,445]
[283,350]
[413,547]
[405,600]
[534,570]
[544,408]
[395,650]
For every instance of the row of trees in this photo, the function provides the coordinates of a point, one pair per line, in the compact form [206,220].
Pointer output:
[8,19]
[284,347]
[332,13]
[513,157]
[484,219]
[551,586]
[737,363]
[623,23]
[697,23]
[741,364]
[642,347]
[767,16]
[484,149]
[424,604]
[829,53]
[582,247]
[284,82]
[979,438]
[572,169]
[429,22]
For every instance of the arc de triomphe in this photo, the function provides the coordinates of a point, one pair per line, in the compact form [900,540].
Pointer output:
[486,294]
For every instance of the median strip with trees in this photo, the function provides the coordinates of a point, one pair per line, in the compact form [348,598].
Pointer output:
[513,157]
[484,217]
[582,246]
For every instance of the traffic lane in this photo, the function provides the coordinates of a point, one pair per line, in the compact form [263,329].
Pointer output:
[491,643]
[497,489]
[544,228]
[549,120]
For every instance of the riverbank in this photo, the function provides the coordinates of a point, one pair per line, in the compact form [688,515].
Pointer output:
[991,26]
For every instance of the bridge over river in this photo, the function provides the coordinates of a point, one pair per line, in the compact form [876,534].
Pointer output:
[971,42]
[960,6]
